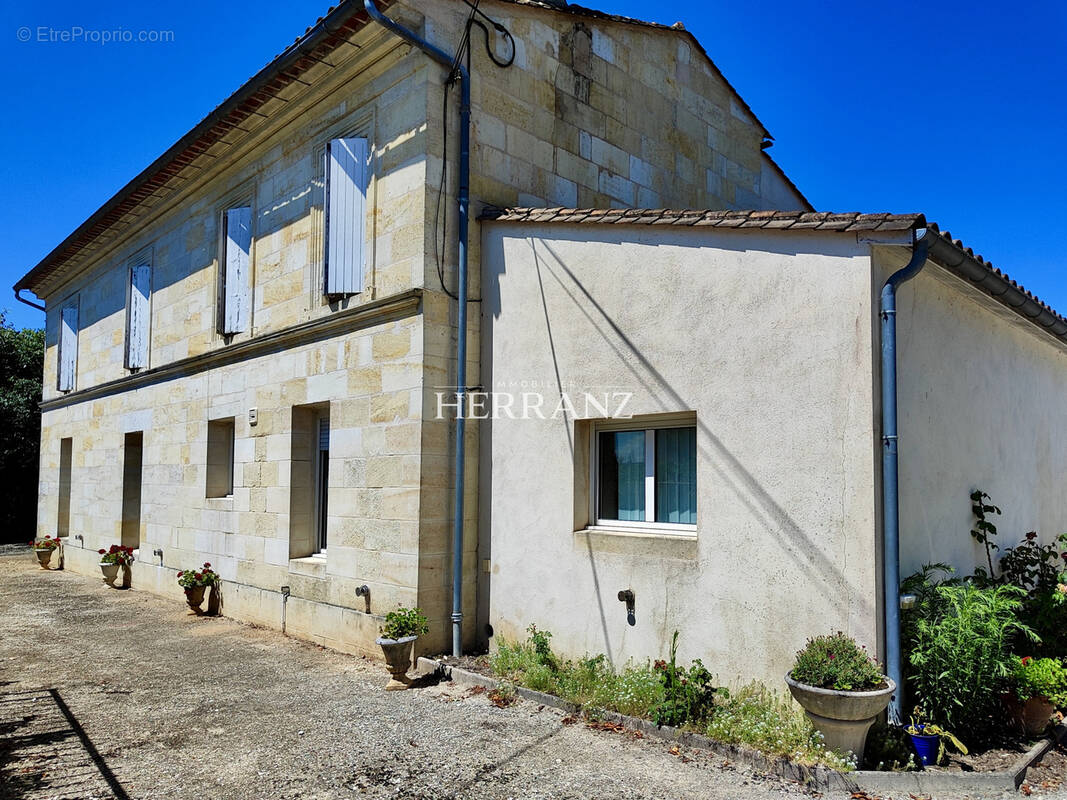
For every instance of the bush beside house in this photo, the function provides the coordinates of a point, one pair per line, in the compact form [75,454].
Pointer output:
[21,365]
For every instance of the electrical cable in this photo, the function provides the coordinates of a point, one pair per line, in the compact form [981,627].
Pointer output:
[441,225]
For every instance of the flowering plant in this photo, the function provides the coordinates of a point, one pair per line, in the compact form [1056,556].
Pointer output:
[190,579]
[1040,677]
[117,554]
[837,662]
[47,543]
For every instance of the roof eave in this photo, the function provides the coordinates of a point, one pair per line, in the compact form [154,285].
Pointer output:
[951,255]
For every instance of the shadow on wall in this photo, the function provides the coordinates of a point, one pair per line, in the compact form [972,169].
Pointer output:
[45,751]
[794,541]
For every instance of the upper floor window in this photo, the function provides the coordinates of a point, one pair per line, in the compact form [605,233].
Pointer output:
[646,475]
[347,173]
[235,296]
[68,347]
[138,312]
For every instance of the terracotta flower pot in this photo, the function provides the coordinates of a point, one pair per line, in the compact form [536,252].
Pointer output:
[111,571]
[398,659]
[44,555]
[843,718]
[1030,717]
[214,600]
[194,596]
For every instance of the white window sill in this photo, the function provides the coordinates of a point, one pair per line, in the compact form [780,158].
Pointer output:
[642,532]
[314,566]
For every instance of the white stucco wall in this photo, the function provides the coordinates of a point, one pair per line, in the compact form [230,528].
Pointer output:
[980,395]
[767,337]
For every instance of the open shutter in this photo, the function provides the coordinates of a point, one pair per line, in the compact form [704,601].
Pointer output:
[68,347]
[346,210]
[236,298]
[138,317]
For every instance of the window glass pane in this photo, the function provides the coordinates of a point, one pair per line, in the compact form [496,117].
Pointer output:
[622,475]
[676,475]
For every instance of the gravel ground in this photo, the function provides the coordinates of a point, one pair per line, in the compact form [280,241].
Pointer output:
[106,693]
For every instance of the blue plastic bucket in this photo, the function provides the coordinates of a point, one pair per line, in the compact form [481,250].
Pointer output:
[926,746]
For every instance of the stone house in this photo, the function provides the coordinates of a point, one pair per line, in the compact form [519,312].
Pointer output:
[740,498]
[252,348]
[245,344]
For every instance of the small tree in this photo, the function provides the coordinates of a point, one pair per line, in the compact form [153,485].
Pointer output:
[21,367]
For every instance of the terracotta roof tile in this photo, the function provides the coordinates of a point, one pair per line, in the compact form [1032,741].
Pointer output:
[777,220]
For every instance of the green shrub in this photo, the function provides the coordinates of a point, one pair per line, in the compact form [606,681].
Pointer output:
[961,655]
[687,693]
[404,622]
[837,662]
[1040,677]
[1039,570]
[763,720]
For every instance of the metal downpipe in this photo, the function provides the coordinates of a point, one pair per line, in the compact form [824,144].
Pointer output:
[30,303]
[463,198]
[890,496]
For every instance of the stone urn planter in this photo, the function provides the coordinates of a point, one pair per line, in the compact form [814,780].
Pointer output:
[398,659]
[127,577]
[44,555]
[843,718]
[194,596]
[1030,717]
[111,571]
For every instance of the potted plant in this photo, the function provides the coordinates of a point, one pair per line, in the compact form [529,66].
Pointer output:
[929,740]
[402,627]
[1038,688]
[44,549]
[111,560]
[841,689]
[194,582]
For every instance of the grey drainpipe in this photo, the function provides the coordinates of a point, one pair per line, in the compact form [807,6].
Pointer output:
[30,303]
[446,60]
[890,497]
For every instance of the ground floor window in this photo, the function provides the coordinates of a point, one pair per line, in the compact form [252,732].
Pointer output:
[646,475]
[309,480]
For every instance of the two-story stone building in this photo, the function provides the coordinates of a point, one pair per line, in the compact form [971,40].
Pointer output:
[245,344]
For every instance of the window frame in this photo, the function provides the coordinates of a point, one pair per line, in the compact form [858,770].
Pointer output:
[648,426]
[243,196]
[228,426]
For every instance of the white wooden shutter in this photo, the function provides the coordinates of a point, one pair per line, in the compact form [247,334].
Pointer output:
[68,347]
[346,210]
[138,317]
[236,299]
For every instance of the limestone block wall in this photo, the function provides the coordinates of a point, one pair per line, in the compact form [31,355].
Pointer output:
[281,176]
[766,339]
[370,381]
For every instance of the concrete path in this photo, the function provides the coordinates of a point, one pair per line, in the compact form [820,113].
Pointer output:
[112,694]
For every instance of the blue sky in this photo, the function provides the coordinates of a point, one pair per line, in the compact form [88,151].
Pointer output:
[954,109]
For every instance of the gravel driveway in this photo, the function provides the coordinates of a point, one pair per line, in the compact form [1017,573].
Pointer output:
[105,693]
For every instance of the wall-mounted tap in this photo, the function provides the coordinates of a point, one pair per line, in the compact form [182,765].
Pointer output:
[80,538]
[627,596]
[158,553]
[285,601]
[364,592]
